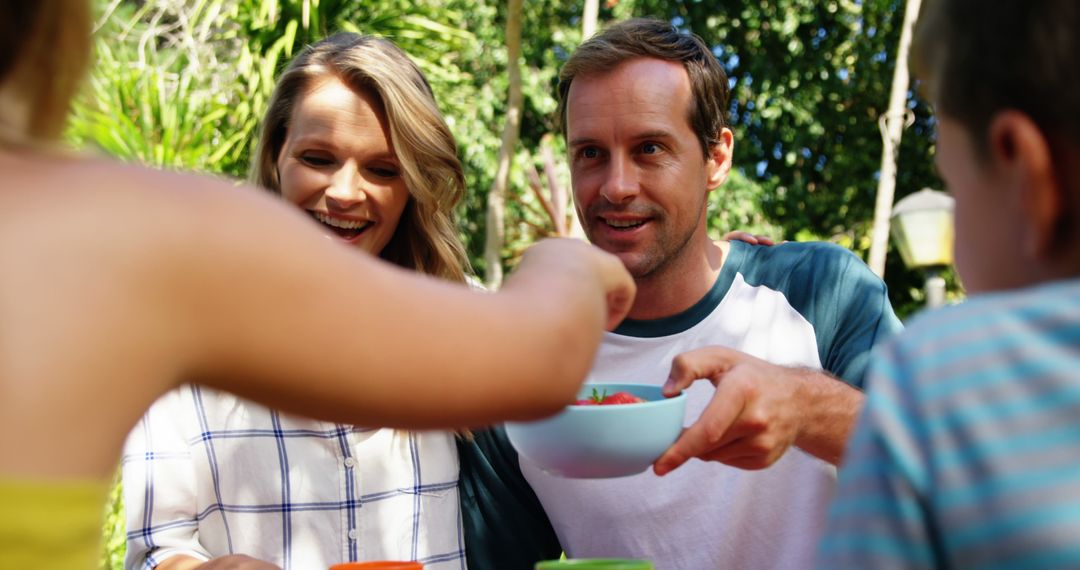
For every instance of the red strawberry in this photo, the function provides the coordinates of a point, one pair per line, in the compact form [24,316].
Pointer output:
[621,398]
[603,399]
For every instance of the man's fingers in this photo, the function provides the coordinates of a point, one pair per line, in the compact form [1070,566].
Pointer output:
[707,434]
[737,450]
[748,462]
[734,453]
[709,362]
[671,459]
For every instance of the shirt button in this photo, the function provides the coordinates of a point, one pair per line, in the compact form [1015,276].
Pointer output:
[352,534]
[350,462]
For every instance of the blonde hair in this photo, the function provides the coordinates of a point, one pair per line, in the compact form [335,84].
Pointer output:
[426,238]
[44,53]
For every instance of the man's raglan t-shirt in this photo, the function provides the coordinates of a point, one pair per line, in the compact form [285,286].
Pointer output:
[798,304]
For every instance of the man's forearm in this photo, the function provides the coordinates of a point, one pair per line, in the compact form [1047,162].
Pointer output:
[831,408]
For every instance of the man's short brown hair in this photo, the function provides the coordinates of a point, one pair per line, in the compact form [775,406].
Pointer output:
[645,38]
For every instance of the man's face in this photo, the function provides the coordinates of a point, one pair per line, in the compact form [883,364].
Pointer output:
[987,219]
[640,178]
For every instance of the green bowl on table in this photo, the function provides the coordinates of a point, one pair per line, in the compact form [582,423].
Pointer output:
[594,564]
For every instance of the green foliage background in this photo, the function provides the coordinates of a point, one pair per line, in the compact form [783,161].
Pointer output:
[182,84]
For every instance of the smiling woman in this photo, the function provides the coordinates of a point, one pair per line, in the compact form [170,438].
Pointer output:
[352,131]
[339,165]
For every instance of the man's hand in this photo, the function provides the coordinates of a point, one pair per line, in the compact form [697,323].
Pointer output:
[759,411]
[230,562]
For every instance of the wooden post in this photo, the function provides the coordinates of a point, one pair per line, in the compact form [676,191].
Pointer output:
[892,129]
[496,202]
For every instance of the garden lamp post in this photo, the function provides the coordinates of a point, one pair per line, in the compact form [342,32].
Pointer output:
[922,225]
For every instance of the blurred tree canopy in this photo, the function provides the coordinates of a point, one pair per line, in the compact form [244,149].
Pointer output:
[182,84]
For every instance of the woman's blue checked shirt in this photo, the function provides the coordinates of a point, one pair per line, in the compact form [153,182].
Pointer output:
[208,474]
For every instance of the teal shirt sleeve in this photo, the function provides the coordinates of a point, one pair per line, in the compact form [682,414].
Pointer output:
[851,314]
[835,291]
[505,525]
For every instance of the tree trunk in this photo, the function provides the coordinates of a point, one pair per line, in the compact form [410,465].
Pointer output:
[588,18]
[559,198]
[496,203]
[892,129]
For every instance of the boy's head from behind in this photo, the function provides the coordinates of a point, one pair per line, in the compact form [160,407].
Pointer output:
[1004,78]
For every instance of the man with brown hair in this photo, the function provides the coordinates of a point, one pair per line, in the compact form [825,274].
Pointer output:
[782,332]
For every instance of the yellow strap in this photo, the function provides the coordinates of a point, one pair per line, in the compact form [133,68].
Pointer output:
[47,525]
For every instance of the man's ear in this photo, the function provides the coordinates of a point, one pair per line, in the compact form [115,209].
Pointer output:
[718,164]
[1021,152]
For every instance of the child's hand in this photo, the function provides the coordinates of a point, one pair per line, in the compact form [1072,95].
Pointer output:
[583,264]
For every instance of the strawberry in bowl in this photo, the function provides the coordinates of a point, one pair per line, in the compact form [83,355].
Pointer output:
[601,398]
